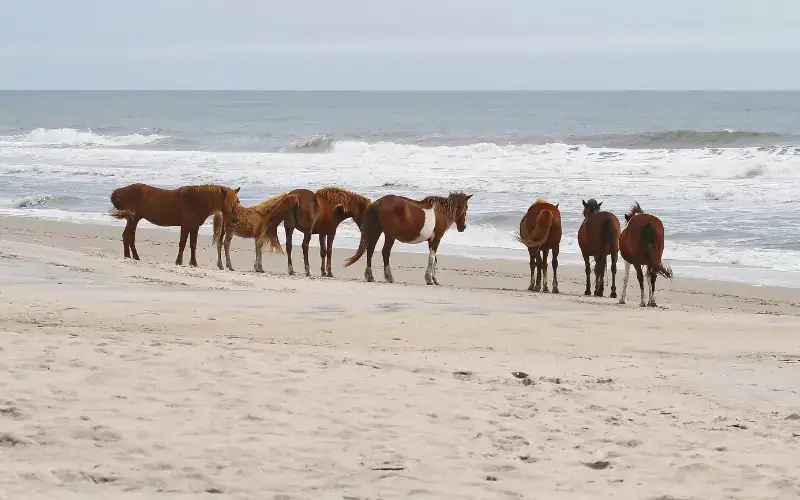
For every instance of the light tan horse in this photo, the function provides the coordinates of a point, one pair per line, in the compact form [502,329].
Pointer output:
[259,222]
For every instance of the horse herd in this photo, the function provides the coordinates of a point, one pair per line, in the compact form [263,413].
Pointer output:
[397,218]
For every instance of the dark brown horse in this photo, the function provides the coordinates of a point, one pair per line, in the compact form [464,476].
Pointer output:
[336,206]
[259,222]
[598,237]
[642,244]
[187,207]
[540,231]
[410,221]
[302,218]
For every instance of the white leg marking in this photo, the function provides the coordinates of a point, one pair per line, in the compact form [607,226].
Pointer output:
[544,277]
[431,263]
[387,274]
[647,284]
[650,295]
[625,283]
[427,228]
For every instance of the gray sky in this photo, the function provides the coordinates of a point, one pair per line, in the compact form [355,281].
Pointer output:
[393,44]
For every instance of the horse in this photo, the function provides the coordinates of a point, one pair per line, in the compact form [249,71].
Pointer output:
[410,221]
[186,206]
[303,218]
[540,231]
[336,206]
[642,244]
[259,222]
[598,237]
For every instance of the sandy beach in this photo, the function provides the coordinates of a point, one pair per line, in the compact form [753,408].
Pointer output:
[142,379]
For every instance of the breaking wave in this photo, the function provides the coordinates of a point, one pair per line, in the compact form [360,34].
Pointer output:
[70,137]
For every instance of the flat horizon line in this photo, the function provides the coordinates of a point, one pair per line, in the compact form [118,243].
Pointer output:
[397,91]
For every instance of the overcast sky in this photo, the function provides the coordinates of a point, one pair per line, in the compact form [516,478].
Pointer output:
[400,44]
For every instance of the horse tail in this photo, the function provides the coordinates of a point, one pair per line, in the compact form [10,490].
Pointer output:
[607,235]
[648,238]
[370,225]
[541,230]
[121,214]
[218,228]
[269,227]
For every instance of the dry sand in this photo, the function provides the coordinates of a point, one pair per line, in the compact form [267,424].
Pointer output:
[142,379]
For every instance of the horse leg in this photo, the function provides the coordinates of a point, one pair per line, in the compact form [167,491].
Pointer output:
[126,242]
[555,269]
[588,269]
[228,238]
[387,251]
[614,257]
[220,242]
[625,282]
[306,242]
[182,245]
[258,265]
[372,242]
[330,252]
[289,230]
[599,272]
[538,286]
[653,275]
[322,253]
[640,277]
[193,246]
[534,267]
[132,238]
[543,265]
[430,274]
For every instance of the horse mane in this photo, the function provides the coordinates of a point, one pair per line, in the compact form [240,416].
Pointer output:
[270,204]
[212,194]
[448,206]
[540,200]
[348,200]
[635,209]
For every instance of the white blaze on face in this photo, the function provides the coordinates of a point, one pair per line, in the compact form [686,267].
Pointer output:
[428,227]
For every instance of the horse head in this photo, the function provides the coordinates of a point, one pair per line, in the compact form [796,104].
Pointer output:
[357,210]
[590,207]
[230,204]
[459,202]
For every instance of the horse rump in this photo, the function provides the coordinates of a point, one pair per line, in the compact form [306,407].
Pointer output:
[369,225]
[541,230]
[648,239]
[269,229]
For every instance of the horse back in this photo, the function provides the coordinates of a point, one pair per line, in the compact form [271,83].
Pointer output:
[400,217]
[528,223]
[593,239]
[642,230]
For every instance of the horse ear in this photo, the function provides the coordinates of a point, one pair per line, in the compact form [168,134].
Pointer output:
[584,202]
[627,217]
[468,197]
[237,189]
[556,205]
[600,204]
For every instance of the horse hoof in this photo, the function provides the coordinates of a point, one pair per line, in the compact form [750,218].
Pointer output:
[291,273]
[587,293]
[652,304]
[545,290]
[622,302]
[219,266]
[530,288]
[613,295]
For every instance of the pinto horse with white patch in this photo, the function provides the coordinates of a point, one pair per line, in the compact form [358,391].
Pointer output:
[409,221]
[642,244]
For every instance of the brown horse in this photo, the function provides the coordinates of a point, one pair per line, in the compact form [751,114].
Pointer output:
[642,244]
[540,231]
[259,222]
[598,237]
[336,206]
[410,221]
[303,218]
[187,207]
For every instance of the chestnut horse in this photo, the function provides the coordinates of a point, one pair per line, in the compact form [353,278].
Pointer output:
[336,206]
[410,221]
[642,244]
[303,218]
[598,237]
[540,231]
[259,222]
[187,207]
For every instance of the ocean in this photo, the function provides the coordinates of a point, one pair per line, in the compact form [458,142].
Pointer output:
[719,168]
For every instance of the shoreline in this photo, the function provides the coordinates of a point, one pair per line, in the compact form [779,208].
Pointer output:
[718,272]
